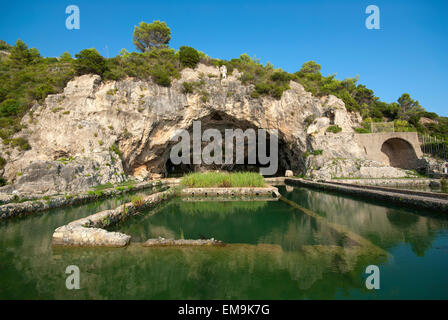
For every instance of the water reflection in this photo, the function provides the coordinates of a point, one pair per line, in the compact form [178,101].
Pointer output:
[276,252]
[383,225]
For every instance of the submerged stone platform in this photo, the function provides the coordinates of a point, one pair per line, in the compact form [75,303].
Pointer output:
[231,192]
[181,242]
[88,232]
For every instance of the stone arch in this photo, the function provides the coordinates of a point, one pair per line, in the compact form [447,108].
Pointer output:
[399,153]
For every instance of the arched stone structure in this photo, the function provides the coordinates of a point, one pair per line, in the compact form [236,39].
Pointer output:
[399,153]
[395,149]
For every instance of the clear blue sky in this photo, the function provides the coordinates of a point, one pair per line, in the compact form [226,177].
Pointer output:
[408,54]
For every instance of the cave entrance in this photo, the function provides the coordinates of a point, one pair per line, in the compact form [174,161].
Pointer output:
[399,153]
[221,122]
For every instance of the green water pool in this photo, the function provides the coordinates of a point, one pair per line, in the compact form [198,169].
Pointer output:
[275,250]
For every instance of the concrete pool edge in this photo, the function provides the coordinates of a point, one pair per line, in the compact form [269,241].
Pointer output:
[402,197]
[11,209]
[89,232]
[230,192]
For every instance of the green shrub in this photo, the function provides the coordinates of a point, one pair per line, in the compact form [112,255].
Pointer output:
[3,182]
[309,120]
[403,126]
[318,152]
[90,61]
[263,88]
[10,107]
[111,92]
[161,76]
[280,76]
[334,129]
[277,91]
[189,57]
[2,162]
[362,130]
[21,143]
[42,91]
[187,87]
[4,46]
[114,148]
[22,56]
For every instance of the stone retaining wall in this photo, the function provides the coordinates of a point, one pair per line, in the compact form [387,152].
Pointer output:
[275,180]
[390,189]
[230,192]
[386,182]
[10,210]
[88,232]
[181,242]
[439,205]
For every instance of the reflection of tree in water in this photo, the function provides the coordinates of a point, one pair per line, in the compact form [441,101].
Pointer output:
[386,227]
[231,272]
[233,222]
[31,268]
[401,220]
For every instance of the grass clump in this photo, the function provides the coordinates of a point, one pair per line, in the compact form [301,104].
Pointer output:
[223,180]
[187,87]
[2,163]
[137,201]
[334,129]
[20,143]
[114,148]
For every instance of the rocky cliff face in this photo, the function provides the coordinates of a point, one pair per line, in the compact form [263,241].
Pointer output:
[97,132]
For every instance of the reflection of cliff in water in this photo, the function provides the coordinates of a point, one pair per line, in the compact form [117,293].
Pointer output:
[283,263]
[234,271]
[386,227]
[253,222]
[31,268]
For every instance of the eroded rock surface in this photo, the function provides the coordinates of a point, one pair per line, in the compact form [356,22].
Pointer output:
[97,131]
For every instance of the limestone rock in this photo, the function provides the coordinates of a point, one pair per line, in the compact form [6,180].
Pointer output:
[97,131]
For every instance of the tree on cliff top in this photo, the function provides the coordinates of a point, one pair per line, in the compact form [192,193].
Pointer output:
[310,67]
[148,36]
[90,61]
[22,56]
[4,46]
[410,109]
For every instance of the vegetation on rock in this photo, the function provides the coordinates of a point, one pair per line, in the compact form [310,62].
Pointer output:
[188,56]
[27,78]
